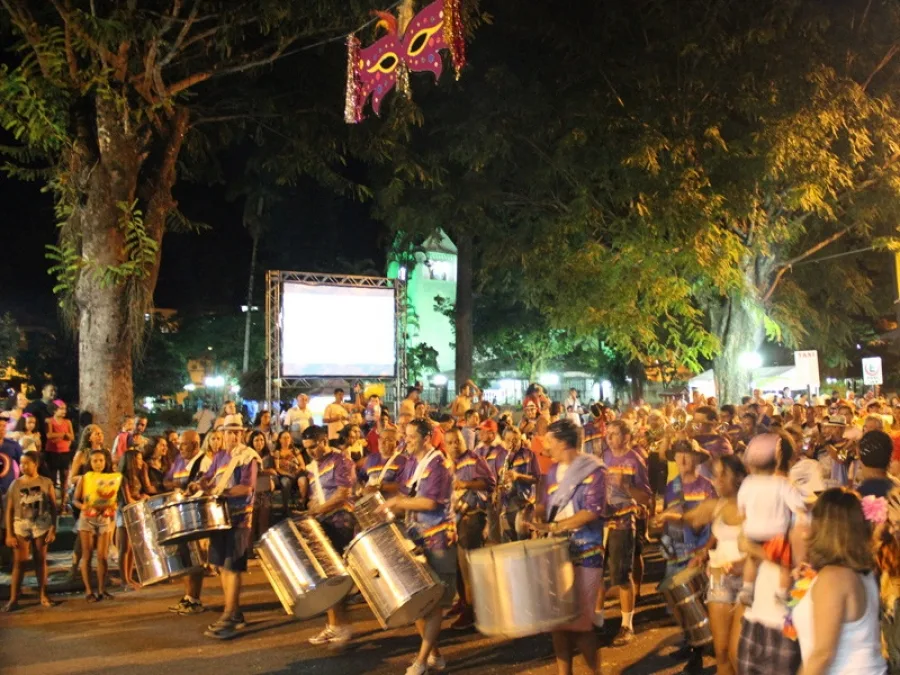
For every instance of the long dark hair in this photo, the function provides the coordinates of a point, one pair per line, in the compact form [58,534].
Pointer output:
[253,435]
[130,472]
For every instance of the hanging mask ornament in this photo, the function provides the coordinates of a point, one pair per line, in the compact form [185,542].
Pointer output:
[372,72]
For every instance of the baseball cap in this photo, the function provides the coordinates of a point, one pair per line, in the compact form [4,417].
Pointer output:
[875,449]
[489,425]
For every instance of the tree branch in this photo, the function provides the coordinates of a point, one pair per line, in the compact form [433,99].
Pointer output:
[784,267]
[23,20]
[251,62]
[105,55]
[886,59]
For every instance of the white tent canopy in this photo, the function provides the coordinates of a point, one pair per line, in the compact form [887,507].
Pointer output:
[769,379]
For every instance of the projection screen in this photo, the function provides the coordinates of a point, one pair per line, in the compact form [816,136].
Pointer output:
[337,331]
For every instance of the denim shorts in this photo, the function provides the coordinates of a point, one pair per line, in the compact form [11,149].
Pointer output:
[723,587]
[32,529]
[443,563]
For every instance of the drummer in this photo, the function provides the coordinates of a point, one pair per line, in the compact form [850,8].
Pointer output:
[472,488]
[232,475]
[381,470]
[427,491]
[687,545]
[573,505]
[332,478]
[184,471]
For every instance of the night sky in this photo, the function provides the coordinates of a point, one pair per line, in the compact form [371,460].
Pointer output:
[312,229]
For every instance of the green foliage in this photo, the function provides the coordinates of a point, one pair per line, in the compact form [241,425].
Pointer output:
[421,361]
[10,339]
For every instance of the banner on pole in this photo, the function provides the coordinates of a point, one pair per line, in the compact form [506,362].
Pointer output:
[806,366]
[872,370]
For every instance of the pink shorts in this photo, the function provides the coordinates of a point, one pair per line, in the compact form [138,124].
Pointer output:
[587,585]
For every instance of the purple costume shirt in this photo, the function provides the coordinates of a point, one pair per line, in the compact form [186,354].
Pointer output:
[622,473]
[435,529]
[585,543]
[240,508]
[471,467]
[335,470]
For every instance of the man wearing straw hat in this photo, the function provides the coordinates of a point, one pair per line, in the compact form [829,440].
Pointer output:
[232,475]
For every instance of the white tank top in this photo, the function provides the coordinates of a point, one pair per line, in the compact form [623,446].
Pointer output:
[726,536]
[859,644]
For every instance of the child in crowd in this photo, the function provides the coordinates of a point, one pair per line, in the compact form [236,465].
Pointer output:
[768,501]
[30,523]
[132,491]
[95,497]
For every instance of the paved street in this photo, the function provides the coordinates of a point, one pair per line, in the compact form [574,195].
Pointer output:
[135,634]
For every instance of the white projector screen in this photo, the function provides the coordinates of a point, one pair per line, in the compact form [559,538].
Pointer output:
[337,331]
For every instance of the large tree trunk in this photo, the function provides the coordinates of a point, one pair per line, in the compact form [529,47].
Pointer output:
[737,322]
[117,167]
[463,312]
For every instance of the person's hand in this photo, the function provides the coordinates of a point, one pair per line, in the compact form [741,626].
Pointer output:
[392,504]
[11,541]
[538,527]
[459,485]
[698,560]
[51,535]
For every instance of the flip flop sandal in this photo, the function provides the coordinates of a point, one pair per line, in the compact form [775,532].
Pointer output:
[47,602]
[9,607]
[91,597]
[106,595]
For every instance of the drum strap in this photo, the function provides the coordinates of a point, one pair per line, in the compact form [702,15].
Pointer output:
[317,483]
[387,466]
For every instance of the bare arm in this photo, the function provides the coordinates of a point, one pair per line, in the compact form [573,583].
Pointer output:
[830,596]
[412,504]
[340,496]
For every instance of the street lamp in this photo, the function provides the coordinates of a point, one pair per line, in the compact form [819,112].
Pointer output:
[549,380]
[190,386]
[439,380]
[750,361]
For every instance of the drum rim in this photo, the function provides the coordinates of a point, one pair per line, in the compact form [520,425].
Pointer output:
[364,533]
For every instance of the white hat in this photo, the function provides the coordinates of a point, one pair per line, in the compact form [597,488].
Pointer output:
[233,422]
[806,475]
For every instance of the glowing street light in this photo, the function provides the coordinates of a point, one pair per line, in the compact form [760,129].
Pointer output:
[190,386]
[549,379]
[750,361]
[213,381]
[439,380]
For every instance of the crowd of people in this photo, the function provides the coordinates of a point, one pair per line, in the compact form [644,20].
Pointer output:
[780,503]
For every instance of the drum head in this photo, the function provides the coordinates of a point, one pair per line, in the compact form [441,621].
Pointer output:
[323,597]
[418,605]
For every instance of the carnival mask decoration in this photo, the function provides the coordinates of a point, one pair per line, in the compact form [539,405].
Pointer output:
[374,71]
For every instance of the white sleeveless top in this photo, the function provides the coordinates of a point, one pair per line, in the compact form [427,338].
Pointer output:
[726,550]
[859,643]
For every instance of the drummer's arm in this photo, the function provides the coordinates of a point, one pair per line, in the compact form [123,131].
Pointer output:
[580,519]
[415,504]
[339,498]
[389,488]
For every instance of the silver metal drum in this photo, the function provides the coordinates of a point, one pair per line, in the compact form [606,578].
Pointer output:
[155,562]
[182,518]
[398,587]
[305,571]
[504,606]
[684,594]
[365,511]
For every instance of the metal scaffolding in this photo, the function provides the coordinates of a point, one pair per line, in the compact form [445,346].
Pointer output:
[276,380]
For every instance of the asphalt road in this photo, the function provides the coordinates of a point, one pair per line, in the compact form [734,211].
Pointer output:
[134,634]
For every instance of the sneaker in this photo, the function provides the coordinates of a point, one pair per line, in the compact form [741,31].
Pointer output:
[436,662]
[333,636]
[464,621]
[417,669]
[181,606]
[456,609]
[324,637]
[226,631]
[198,608]
[342,636]
[237,621]
[625,636]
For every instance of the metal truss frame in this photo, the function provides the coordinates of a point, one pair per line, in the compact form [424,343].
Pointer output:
[275,280]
